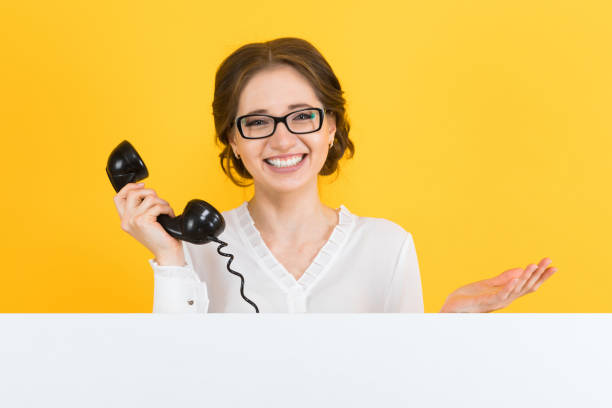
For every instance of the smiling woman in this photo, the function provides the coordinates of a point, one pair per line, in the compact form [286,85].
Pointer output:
[290,68]
[280,116]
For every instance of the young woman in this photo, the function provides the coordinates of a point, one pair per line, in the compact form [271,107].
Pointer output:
[280,115]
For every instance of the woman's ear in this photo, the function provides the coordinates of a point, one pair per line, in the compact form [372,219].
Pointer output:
[233,145]
[331,126]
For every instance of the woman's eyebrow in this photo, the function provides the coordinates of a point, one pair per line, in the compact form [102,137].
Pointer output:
[293,106]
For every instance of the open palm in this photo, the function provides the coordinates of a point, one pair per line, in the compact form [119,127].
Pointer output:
[498,292]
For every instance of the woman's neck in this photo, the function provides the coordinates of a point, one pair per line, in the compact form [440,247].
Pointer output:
[297,216]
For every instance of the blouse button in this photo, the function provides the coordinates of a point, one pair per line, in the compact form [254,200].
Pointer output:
[190,302]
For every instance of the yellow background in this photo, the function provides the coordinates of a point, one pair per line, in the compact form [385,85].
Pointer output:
[481,127]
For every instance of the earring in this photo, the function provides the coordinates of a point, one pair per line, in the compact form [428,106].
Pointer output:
[331,144]
[237,155]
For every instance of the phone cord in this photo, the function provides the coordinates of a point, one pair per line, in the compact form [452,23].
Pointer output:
[229,261]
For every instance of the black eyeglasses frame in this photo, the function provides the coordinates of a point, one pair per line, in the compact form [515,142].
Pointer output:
[280,119]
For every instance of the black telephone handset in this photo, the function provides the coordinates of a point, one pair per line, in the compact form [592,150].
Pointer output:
[199,223]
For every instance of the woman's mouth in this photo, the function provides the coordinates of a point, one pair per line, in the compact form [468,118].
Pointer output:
[287,163]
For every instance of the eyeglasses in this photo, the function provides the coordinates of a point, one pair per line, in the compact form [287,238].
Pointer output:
[257,126]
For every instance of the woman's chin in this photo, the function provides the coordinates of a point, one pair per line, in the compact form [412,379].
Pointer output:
[287,183]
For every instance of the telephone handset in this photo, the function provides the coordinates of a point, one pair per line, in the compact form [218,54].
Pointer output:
[199,223]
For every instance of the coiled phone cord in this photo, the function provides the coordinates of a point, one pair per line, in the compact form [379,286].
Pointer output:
[229,261]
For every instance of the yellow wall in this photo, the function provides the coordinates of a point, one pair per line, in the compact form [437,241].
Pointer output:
[482,128]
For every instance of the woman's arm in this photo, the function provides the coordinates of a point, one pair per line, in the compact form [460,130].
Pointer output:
[498,292]
[178,289]
[405,294]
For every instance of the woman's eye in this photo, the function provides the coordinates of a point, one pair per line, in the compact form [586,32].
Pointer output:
[255,122]
[303,116]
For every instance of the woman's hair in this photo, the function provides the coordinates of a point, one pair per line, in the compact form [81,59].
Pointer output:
[235,71]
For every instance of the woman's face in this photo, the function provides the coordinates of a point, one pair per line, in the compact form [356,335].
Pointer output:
[274,162]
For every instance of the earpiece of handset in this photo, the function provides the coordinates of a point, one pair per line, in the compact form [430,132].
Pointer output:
[125,166]
[200,222]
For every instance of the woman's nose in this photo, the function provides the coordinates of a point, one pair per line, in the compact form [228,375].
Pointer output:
[282,138]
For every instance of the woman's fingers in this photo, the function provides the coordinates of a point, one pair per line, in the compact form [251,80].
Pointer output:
[547,274]
[499,299]
[148,202]
[505,277]
[522,279]
[134,198]
[544,263]
[505,292]
[121,196]
[158,209]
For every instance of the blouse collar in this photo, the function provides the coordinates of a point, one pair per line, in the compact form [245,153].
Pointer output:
[320,263]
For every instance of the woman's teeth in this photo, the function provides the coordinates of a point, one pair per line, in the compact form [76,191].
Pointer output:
[286,162]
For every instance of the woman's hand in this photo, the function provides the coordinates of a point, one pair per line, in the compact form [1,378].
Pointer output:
[138,209]
[498,292]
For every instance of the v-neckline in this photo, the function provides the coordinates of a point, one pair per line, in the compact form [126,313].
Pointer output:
[278,272]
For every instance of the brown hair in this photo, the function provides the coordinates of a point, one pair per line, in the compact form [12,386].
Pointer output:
[234,72]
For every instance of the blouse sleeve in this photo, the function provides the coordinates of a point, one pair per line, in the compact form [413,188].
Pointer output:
[405,294]
[178,289]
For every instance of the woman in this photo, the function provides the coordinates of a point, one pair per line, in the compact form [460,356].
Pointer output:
[280,116]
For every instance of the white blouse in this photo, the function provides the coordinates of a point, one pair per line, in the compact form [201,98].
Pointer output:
[367,265]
